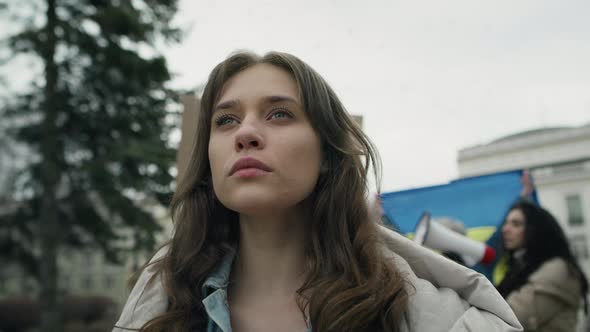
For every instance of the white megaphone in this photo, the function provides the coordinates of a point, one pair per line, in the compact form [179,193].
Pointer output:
[433,235]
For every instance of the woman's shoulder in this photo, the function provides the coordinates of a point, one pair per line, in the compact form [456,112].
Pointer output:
[433,267]
[555,270]
[147,298]
[445,296]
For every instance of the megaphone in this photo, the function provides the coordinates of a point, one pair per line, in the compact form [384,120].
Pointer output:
[433,235]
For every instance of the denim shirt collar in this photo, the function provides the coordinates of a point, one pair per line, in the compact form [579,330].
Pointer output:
[214,292]
[219,278]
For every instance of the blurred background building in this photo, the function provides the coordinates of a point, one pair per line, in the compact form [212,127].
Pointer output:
[559,161]
[86,271]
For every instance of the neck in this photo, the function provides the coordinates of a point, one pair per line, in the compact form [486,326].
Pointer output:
[271,255]
[519,254]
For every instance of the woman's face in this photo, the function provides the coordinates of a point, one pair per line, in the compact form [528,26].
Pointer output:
[513,230]
[263,152]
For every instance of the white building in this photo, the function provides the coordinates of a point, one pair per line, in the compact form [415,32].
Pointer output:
[559,160]
[86,271]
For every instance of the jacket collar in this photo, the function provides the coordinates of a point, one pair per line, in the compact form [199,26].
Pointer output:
[148,298]
[219,278]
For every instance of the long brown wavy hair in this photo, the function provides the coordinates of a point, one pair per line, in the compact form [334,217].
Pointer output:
[350,285]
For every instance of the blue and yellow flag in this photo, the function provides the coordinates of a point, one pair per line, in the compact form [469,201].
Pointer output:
[479,202]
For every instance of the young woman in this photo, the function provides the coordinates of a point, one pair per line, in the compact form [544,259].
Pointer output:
[544,284]
[273,231]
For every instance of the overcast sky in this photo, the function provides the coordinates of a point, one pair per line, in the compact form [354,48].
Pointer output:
[429,77]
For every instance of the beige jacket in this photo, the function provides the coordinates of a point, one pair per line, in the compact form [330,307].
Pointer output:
[550,300]
[445,296]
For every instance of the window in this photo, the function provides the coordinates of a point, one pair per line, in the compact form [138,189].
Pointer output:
[579,247]
[575,216]
[87,283]
[108,282]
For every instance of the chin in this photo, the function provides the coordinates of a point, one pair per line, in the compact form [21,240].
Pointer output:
[250,208]
[252,204]
[511,248]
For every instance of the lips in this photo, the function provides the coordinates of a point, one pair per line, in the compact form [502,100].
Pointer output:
[247,163]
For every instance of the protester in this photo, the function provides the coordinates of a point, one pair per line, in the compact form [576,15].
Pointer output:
[273,230]
[458,226]
[544,284]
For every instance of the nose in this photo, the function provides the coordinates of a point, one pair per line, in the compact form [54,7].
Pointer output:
[505,229]
[248,136]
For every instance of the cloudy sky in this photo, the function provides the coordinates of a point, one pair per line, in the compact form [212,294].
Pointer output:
[429,77]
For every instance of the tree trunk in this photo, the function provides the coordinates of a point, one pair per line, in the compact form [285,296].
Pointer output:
[50,174]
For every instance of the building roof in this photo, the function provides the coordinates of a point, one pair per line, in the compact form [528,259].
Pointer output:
[525,139]
[530,133]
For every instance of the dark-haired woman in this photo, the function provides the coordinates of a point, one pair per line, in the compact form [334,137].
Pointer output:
[273,231]
[544,284]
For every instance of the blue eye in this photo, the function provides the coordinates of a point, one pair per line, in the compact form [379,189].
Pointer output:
[281,113]
[224,120]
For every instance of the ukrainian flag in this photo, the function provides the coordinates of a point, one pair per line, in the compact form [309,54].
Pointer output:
[479,202]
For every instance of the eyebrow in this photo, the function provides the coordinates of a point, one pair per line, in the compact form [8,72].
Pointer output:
[268,100]
[279,99]
[226,105]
